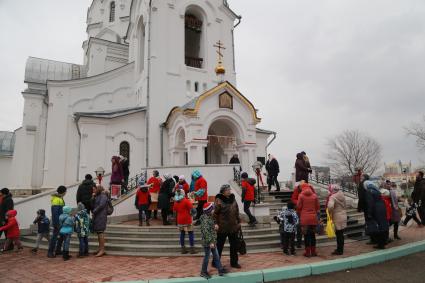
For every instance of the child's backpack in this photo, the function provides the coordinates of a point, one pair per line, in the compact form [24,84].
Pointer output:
[77,224]
[290,219]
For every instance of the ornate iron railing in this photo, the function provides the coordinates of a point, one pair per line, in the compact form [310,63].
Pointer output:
[347,187]
[134,181]
[194,62]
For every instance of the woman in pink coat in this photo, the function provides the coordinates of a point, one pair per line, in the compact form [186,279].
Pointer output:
[338,211]
[308,207]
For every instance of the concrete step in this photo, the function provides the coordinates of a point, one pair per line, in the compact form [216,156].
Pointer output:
[74,249]
[161,247]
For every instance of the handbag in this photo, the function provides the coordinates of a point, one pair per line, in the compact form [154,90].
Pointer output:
[110,208]
[241,245]
[330,232]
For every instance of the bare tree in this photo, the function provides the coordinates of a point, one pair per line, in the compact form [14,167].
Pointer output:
[418,131]
[352,150]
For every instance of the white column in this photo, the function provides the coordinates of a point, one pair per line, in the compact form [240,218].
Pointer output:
[247,156]
[196,151]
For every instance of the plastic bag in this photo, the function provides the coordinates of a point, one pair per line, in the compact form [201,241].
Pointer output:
[330,231]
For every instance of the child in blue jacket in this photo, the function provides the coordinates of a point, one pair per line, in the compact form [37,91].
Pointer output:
[66,221]
[43,228]
[82,228]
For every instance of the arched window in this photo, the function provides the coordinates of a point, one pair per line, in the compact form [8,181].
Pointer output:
[141,44]
[112,12]
[193,39]
[125,149]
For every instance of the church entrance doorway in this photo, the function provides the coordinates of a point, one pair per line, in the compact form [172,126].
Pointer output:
[222,142]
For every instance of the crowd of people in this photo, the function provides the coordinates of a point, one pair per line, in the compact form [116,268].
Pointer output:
[218,220]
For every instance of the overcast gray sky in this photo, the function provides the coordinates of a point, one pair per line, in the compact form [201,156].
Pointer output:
[313,68]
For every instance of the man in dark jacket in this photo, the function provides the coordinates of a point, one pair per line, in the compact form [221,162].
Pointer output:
[361,193]
[272,167]
[6,204]
[85,192]
[226,216]
[418,195]
[301,169]
[234,159]
[125,164]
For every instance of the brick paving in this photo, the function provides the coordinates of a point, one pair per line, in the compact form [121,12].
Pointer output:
[26,267]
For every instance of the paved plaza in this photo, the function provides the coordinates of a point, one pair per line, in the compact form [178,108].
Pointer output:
[26,267]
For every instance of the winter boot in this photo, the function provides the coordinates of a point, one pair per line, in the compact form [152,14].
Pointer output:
[192,250]
[307,252]
[313,251]
[66,256]
[101,238]
[184,250]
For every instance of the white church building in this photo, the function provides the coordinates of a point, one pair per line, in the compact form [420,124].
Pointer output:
[149,89]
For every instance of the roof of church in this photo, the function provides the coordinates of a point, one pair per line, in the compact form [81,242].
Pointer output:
[263,131]
[40,70]
[191,104]
[109,114]
[7,143]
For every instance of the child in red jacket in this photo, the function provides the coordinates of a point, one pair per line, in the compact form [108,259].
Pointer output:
[183,207]
[248,196]
[12,229]
[142,202]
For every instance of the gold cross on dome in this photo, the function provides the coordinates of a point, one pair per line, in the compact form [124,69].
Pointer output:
[219,45]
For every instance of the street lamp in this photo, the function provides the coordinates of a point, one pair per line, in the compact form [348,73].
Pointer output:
[257,169]
[100,172]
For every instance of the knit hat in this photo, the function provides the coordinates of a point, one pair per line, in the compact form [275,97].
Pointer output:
[370,185]
[385,192]
[168,176]
[42,212]
[208,207]
[5,191]
[180,195]
[181,177]
[80,206]
[196,174]
[66,209]
[224,187]
[244,175]
[61,190]
[334,188]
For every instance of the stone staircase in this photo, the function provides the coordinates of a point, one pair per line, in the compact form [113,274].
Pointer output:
[131,240]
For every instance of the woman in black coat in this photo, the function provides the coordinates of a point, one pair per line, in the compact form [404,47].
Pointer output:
[100,216]
[164,197]
[376,215]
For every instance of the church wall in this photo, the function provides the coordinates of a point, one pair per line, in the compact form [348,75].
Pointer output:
[98,17]
[261,145]
[101,139]
[110,91]
[28,160]
[5,171]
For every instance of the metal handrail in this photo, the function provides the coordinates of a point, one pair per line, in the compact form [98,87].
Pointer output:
[347,187]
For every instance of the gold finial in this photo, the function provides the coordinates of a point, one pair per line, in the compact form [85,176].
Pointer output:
[220,70]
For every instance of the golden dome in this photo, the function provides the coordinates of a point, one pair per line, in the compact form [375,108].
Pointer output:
[220,70]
